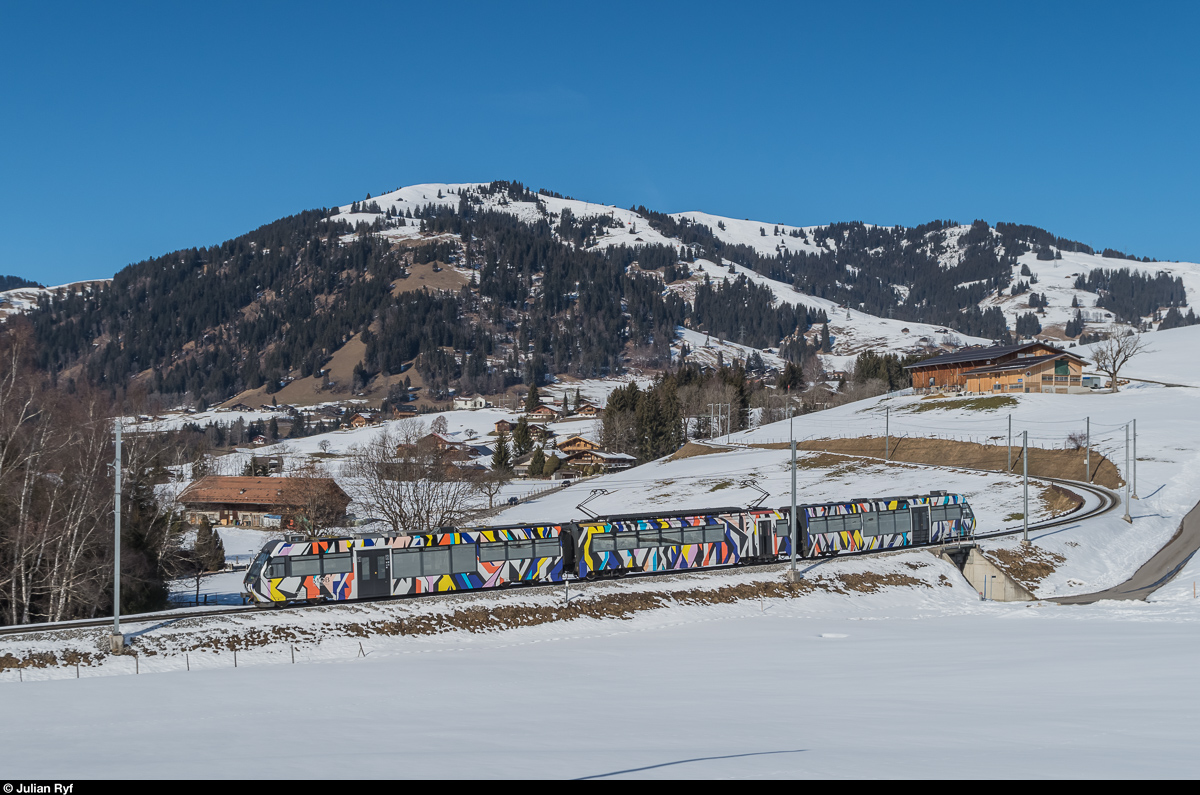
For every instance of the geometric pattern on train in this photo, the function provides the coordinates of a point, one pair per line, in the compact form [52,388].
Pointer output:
[854,540]
[950,529]
[488,574]
[340,587]
[664,558]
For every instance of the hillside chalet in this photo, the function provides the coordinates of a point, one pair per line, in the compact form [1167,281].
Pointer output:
[1030,367]
[248,501]
[577,444]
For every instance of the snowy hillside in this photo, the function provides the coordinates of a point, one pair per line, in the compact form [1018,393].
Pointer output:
[853,329]
[23,299]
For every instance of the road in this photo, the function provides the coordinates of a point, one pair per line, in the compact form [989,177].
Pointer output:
[1154,573]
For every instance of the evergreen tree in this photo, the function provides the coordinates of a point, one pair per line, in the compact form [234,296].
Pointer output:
[204,545]
[551,466]
[501,462]
[826,343]
[521,437]
[536,463]
[532,400]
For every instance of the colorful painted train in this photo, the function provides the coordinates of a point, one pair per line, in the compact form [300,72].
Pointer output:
[301,569]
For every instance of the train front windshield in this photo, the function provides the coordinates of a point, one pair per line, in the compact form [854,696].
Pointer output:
[256,567]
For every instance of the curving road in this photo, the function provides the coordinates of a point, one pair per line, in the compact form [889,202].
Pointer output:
[1154,573]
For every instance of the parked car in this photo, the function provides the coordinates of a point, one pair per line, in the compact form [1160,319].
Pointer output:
[513,500]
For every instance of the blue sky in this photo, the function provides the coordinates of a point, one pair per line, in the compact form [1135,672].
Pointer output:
[133,130]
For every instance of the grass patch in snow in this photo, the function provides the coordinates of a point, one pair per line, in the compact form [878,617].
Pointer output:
[1027,564]
[990,403]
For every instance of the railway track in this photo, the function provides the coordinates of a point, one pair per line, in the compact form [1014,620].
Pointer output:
[1106,501]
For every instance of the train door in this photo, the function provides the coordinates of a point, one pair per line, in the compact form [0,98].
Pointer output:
[766,544]
[920,525]
[374,572]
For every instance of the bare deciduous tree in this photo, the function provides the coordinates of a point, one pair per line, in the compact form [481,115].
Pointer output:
[410,482]
[1115,352]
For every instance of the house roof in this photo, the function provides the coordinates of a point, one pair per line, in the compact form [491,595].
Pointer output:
[257,490]
[1021,364]
[978,353]
[577,436]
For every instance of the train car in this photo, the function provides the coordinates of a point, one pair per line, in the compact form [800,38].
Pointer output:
[301,569]
[834,528]
[617,545]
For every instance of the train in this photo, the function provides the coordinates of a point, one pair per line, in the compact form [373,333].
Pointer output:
[300,569]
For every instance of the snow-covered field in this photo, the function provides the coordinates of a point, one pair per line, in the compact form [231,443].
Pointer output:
[916,681]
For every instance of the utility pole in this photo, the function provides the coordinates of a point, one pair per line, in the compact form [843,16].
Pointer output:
[1126,517]
[1025,463]
[1135,496]
[1088,455]
[792,575]
[887,432]
[117,640]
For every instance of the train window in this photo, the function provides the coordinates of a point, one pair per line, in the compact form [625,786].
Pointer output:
[492,551]
[834,524]
[714,533]
[672,536]
[463,559]
[277,569]
[336,564]
[546,548]
[520,550]
[435,561]
[870,523]
[602,542]
[816,524]
[625,540]
[649,538]
[903,521]
[406,563]
[783,528]
[693,535]
[305,565]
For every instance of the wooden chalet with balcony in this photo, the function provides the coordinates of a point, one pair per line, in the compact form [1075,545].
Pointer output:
[999,368]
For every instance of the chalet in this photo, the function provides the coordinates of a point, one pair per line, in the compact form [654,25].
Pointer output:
[402,414]
[588,410]
[543,412]
[245,501]
[470,403]
[1055,373]
[949,371]
[609,462]
[540,433]
[360,420]
[504,426]
[577,444]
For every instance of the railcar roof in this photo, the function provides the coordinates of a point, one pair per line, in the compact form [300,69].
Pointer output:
[625,517]
[787,508]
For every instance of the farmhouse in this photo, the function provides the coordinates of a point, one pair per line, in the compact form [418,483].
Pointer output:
[247,501]
[470,403]
[950,370]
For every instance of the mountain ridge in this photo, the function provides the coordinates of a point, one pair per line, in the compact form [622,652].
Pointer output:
[482,285]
